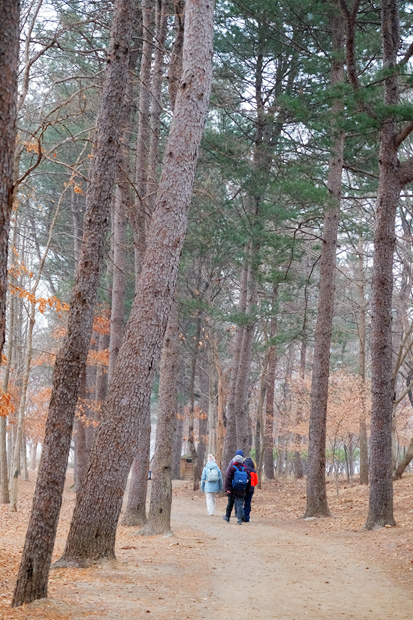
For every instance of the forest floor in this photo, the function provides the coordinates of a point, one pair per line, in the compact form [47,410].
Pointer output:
[277,567]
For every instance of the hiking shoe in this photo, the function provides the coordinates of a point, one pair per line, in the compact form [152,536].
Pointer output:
[239,521]
[225,518]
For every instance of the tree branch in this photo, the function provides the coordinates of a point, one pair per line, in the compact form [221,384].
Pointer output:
[406,171]
[402,135]
[407,56]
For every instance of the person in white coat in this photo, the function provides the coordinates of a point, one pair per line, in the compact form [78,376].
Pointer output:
[211,483]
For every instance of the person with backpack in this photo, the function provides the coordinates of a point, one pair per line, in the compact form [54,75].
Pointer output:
[236,482]
[238,452]
[211,483]
[250,467]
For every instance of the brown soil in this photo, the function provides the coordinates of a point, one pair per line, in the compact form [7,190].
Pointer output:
[276,567]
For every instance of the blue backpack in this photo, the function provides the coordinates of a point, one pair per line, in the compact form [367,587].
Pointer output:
[240,479]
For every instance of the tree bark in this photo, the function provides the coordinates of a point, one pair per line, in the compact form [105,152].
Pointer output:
[74,207]
[5,495]
[35,564]
[316,488]
[408,457]
[212,404]
[119,222]
[220,401]
[161,20]
[122,207]
[80,456]
[203,418]
[159,517]
[175,64]
[270,390]
[191,391]
[101,376]
[138,215]
[93,528]
[24,458]
[9,60]
[33,456]
[230,440]
[177,451]
[135,514]
[242,409]
[298,462]
[364,457]
[381,483]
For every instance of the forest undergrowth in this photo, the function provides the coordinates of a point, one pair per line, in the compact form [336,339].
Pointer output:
[165,567]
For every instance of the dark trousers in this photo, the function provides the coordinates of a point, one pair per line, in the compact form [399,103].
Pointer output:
[239,506]
[247,505]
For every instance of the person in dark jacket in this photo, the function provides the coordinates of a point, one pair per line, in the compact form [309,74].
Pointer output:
[250,467]
[235,496]
[237,453]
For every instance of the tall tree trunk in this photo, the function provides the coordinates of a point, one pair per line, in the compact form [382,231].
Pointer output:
[93,528]
[175,63]
[220,401]
[191,393]
[203,418]
[101,375]
[230,441]
[177,450]
[146,180]
[16,463]
[316,489]
[242,416]
[33,456]
[135,514]
[179,434]
[159,517]
[5,496]
[259,431]
[121,207]
[139,217]
[37,552]
[270,390]
[80,450]
[9,60]
[212,404]
[298,462]
[117,316]
[381,484]
[24,458]
[161,20]
[74,207]
[364,457]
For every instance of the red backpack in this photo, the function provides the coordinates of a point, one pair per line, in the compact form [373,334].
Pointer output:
[254,478]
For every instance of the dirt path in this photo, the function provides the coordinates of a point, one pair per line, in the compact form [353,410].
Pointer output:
[291,573]
[269,569]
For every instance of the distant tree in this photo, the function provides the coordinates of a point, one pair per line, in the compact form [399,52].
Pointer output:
[316,490]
